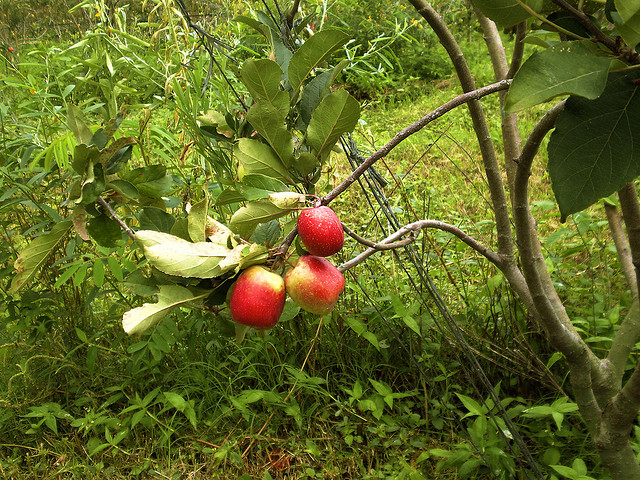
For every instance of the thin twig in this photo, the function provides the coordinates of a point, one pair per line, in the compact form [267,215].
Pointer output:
[410,130]
[115,216]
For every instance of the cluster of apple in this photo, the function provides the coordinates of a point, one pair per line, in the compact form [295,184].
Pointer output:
[314,283]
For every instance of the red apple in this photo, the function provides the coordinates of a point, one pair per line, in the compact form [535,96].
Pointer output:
[315,284]
[257,298]
[320,231]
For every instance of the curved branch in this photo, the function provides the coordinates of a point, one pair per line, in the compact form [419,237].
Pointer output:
[411,228]
[410,130]
[379,245]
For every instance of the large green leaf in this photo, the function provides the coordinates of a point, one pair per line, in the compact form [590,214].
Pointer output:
[507,13]
[336,115]
[151,181]
[269,122]
[170,297]
[75,120]
[104,230]
[316,90]
[245,220]
[627,9]
[93,185]
[35,255]
[262,79]
[312,53]
[185,259]
[153,218]
[593,150]
[567,68]
[83,156]
[256,158]
[628,29]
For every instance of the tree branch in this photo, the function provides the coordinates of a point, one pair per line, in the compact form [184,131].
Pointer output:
[491,166]
[115,216]
[518,49]
[622,246]
[510,134]
[292,13]
[489,254]
[593,29]
[631,214]
[560,331]
[623,343]
[410,130]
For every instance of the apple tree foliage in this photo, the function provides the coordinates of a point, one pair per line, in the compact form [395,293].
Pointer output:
[277,148]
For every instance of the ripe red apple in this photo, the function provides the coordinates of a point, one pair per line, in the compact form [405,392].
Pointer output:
[320,231]
[315,284]
[257,298]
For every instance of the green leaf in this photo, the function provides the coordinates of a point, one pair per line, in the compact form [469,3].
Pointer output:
[148,238]
[468,468]
[120,157]
[306,163]
[36,254]
[264,183]
[252,22]
[474,407]
[627,8]
[104,230]
[317,89]
[266,233]
[245,220]
[507,13]
[628,29]
[124,188]
[170,297]
[259,159]
[262,79]
[176,400]
[153,218]
[197,219]
[93,186]
[565,471]
[270,124]
[151,181]
[312,54]
[185,259]
[83,155]
[336,115]
[592,150]
[567,68]
[75,120]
